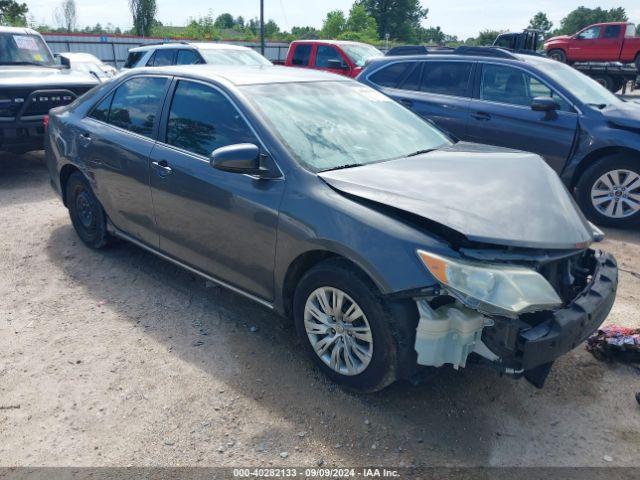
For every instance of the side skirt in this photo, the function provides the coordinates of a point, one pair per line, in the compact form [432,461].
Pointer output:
[119,233]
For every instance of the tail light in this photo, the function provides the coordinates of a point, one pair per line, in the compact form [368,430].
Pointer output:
[45,121]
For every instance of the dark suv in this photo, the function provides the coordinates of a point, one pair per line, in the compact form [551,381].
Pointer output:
[590,137]
[30,84]
[390,245]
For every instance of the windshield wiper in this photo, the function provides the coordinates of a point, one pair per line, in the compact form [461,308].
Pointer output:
[29,63]
[420,152]
[340,167]
[599,106]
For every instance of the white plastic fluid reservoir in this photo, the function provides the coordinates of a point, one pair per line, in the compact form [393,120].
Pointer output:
[447,334]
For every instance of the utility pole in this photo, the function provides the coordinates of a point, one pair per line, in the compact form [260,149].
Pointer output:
[262,27]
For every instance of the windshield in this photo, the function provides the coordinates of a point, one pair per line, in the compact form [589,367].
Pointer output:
[585,89]
[327,125]
[233,57]
[359,54]
[16,48]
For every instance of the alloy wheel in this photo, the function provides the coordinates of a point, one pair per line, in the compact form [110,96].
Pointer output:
[338,330]
[616,194]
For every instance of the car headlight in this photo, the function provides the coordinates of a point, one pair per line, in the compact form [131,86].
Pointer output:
[505,289]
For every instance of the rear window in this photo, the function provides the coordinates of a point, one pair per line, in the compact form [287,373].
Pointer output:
[301,55]
[133,59]
[631,30]
[612,31]
[446,78]
[391,75]
[187,57]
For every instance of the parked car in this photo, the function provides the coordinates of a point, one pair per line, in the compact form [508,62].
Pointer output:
[407,50]
[190,53]
[590,137]
[87,63]
[390,245]
[30,84]
[602,42]
[335,56]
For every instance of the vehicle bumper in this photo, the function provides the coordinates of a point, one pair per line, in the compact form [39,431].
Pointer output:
[22,137]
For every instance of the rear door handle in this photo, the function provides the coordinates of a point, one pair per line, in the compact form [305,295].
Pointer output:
[162,167]
[482,116]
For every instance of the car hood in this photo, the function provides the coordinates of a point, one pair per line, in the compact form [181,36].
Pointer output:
[488,194]
[34,76]
[558,38]
[624,115]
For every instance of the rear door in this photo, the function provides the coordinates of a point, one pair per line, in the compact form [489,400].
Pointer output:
[116,140]
[610,44]
[218,222]
[188,57]
[162,57]
[500,114]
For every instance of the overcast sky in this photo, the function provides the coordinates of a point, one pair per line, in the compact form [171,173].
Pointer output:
[464,18]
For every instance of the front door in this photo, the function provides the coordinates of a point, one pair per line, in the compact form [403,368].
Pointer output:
[221,223]
[502,115]
[328,58]
[582,46]
[116,139]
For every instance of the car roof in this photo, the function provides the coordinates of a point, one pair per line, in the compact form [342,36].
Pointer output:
[78,56]
[518,58]
[246,74]
[196,45]
[23,30]
[333,42]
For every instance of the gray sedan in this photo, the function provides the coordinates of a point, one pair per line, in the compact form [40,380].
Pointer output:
[392,247]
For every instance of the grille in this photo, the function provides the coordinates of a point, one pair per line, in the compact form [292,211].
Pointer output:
[569,276]
[42,100]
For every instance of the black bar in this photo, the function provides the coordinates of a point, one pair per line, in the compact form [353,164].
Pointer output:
[262,27]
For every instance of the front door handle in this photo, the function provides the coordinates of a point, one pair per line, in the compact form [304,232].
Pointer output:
[85,139]
[162,167]
[482,116]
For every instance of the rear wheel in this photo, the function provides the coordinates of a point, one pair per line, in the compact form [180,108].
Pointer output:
[609,192]
[348,328]
[87,216]
[557,54]
[637,62]
[607,82]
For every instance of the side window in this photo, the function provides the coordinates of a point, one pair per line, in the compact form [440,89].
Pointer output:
[162,57]
[390,76]
[133,58]
[201,119]
[412,82]
[136,103]
[326,53]
[513,86]
[187,57]
[505,41]
[101,111]
[612,31]
[630,32]
[590,33]
[446,78]
[301,55]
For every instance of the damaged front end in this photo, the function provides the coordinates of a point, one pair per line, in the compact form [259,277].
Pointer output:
[515,331]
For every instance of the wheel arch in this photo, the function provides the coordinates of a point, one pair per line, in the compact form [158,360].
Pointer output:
[305,262]
[65,172]
[599,154]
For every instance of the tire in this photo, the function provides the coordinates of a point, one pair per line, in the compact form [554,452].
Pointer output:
[609,176]
[87,215]
[558,54]
[391,328]
[606,81]
[637,62]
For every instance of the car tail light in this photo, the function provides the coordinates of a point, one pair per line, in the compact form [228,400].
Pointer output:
[45,121]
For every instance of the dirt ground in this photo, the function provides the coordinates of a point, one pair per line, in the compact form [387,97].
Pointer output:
[118,358]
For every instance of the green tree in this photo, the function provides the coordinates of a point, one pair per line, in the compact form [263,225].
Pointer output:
[305,33]
[484,38]
[432,35]
[143,13]
[271,29]
[224,21]
[541,22]
[582,17]
[334,24]
[400,19]
[13,13]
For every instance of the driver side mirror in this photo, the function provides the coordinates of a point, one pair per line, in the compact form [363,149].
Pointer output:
[544,104]
[241,158]
[337,64]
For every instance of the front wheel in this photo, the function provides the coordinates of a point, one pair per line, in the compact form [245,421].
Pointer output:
[609,192]
[558,55]
[347,328]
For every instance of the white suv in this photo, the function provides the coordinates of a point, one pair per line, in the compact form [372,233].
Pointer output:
[187,53]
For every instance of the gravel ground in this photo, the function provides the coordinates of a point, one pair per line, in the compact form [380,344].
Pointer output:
[118,358]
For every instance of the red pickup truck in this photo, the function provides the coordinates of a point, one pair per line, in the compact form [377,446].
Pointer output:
[337,56]
[602,42]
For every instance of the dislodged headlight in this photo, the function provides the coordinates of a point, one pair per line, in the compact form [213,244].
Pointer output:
[508,289]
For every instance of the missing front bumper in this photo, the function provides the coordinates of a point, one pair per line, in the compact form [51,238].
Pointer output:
[449,334]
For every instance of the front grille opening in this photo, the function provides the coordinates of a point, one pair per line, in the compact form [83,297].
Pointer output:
[569,276]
